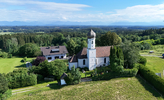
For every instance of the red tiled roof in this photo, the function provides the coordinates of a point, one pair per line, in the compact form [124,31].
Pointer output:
[100,52]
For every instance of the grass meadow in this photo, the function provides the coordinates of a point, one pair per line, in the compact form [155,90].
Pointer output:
[132,88]
[158,50]
[9,64]
[156,64]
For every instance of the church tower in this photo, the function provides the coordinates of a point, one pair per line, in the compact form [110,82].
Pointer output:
[91,51]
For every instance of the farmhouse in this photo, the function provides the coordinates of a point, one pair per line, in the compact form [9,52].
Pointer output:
[54,52]
[91,56]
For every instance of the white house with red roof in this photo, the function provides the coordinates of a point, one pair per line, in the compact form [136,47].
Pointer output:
[91,56]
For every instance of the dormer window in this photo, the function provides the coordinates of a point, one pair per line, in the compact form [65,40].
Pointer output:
[54,50]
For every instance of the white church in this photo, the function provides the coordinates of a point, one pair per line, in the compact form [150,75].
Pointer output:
[91,56]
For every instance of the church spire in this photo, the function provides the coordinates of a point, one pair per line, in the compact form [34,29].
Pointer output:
[91,34]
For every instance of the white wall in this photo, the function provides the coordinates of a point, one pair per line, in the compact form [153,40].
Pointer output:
[71,64]
[100,61]
[53,57]
[80,63]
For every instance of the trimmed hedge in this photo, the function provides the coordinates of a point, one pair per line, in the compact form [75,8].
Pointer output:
[142,60]
[20,78]
[110,75]
[6,95]
[152,78]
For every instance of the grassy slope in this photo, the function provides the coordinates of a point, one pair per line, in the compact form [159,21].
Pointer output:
[156,64]
[8,64]
[115,89]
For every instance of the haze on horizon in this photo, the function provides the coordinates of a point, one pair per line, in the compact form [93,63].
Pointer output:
[83,11]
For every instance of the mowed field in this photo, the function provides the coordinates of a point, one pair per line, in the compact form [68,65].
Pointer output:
[132,88]
[157,49]
[9,64]
[156,64]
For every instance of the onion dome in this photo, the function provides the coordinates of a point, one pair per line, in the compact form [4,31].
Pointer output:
[91,34]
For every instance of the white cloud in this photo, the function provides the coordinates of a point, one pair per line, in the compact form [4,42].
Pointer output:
[51,11]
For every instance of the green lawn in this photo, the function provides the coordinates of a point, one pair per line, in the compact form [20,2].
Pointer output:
[9,64]
[158,50]
[132,88]
[156,64]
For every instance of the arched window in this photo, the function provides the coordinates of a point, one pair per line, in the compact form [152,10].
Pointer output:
[104,60]
[83,62]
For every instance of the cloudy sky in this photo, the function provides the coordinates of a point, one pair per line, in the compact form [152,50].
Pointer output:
[82,10]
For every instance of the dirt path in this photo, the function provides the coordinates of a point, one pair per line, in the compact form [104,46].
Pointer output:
[153,55]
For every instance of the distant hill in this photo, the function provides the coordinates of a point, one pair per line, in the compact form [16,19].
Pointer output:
[35,23]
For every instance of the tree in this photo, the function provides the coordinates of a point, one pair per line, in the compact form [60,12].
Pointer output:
[73,77]
[57,68]
[38,60]
[29,50]
[3,84]
[71,47]
[131,54]
[110,38]
[116,59]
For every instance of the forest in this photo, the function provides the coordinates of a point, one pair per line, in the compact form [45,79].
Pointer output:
[75,37]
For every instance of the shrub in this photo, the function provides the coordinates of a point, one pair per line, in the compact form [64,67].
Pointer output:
[85,68]
[10,56]
[152,78]
[38,60]
[142,60]
[73,77]
[6,95]
[3,84]
[20,78]
[4,55]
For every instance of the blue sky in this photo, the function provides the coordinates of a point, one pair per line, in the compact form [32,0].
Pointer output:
[109,11]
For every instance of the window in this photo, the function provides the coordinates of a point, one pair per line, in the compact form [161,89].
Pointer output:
[92,42]
[104,60]
[83,62]
[61,56]
[57,57]
[49,58]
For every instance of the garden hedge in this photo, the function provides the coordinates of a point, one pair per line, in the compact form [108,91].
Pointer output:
[18,78]
[152,78]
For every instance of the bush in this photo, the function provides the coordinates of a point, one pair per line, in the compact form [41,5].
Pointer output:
[6,95]
[3,84]
[10,56]
[142,60]
[20,78]
[38,60]
[85,68]
[152,78]
[4,55]
[73,77]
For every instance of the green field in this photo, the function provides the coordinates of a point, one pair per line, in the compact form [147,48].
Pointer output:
[132,88]
[158,50]
[156,64]
[3,33]
[9,64]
